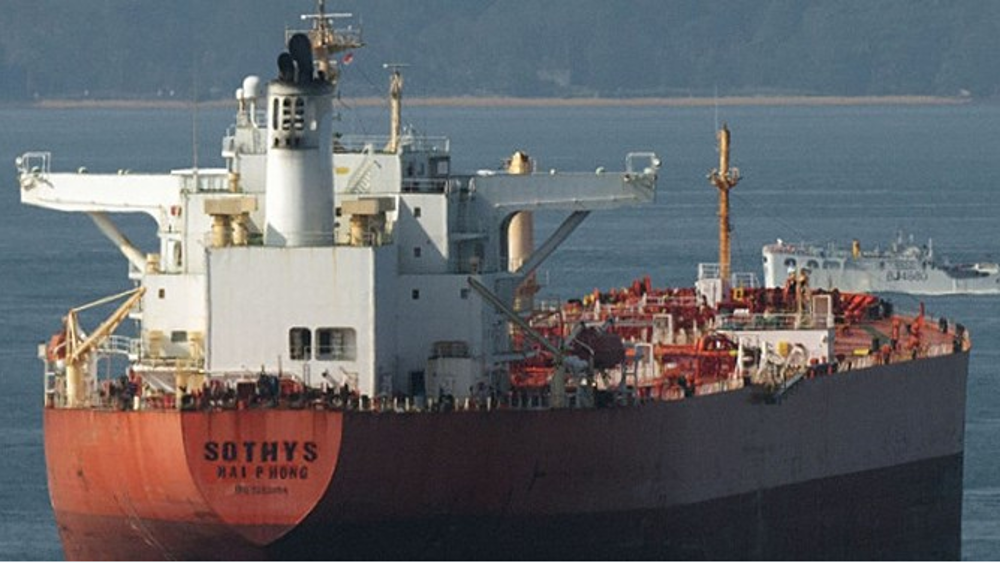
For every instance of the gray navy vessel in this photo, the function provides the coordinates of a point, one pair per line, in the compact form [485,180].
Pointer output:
[903,267]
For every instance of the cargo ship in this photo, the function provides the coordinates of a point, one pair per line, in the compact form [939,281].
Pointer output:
[340,352]
[901,267]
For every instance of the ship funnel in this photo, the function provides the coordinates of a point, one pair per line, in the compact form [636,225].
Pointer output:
[301,51]
[299,189]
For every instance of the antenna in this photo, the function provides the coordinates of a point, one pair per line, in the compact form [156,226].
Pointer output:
[327,40]
[321,16]
[716,100]
[194,114]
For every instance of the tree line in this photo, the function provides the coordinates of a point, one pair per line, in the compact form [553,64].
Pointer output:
[190,49]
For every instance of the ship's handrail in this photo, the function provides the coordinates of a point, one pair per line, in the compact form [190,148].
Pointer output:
[380,238]
[205,180]
[55,388]
[709,270]
[360,180]
[634,160]
[712,270]
[34,162]
[679,300]
[122,345]
[417,143]
[745,280]
[258,138]
[33,166]
[785,321]
[426,185]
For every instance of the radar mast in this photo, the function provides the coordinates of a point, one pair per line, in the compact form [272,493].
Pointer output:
[327,40]
[724,178]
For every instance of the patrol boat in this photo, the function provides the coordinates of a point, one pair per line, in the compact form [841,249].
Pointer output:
[902,267]
[339,353]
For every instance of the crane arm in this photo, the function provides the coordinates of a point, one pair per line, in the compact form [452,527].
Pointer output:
[77,349]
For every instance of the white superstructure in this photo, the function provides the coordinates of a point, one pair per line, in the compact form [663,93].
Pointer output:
[338,260]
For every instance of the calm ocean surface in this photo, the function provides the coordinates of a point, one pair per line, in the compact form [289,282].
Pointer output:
[809,173]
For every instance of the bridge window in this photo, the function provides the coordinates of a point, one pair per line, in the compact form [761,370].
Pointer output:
[300,343]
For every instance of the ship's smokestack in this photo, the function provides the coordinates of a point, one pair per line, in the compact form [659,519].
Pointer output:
[299,186]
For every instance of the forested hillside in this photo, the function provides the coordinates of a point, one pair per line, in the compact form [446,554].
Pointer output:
[185,48]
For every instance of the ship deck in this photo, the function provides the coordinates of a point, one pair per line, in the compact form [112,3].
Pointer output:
[896,339]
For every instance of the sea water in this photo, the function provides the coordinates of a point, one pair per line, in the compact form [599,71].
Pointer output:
[809,173]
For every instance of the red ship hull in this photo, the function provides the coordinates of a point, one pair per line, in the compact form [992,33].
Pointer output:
[864,464]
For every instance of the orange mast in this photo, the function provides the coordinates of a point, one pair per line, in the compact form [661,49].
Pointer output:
[724,178]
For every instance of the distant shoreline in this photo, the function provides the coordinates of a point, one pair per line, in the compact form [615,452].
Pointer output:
[469,101]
